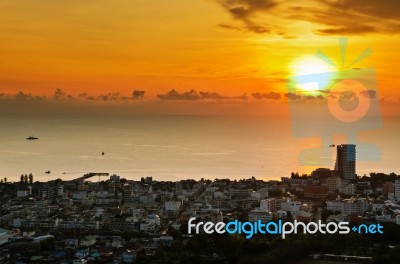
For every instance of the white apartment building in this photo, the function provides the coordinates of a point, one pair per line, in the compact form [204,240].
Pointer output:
[268,205]
[291,206]
[333,183]
[172,206]
[257,214]
[334,206]
[354,206]
[348,189]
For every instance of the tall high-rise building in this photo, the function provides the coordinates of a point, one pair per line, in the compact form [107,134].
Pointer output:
[46,190]
[397,189]
[346,161]
[128,194]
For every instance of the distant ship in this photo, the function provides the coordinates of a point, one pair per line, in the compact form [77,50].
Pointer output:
[31,138]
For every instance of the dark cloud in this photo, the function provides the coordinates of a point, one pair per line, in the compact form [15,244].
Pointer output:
[25,97]
[331,20]
[241,97]
[271,96]
[248,26]
[292,96]
[255,28]
[226,26]
[61,95]
[110,96]
[21,96]
[347,95]
[103,97]
[355,17]
[351,29]
[369,94]
[385,9]
[214,95]
[313,98]
[116,94]
[258,96]
[194,95]
[136,94]
[174,95]
[245,11]
[348,100]
[333,17]
[305,98]
[85,96]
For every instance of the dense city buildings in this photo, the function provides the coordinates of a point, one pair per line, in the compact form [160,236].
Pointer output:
[116,220]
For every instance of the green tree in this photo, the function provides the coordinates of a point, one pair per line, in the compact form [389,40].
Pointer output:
[26,178]
[22,179]
[30,178]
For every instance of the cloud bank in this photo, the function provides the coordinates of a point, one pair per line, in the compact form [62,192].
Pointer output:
[330,17]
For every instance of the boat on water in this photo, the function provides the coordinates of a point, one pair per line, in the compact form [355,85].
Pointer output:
[32,138]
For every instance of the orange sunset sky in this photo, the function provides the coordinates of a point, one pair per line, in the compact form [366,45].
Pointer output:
[230,51]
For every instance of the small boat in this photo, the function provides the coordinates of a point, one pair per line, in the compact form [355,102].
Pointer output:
[31,138]
[102,153]
[48,172]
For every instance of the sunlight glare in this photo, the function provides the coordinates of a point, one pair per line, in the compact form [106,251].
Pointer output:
[312,66]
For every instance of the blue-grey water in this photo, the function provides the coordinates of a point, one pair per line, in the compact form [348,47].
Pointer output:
[166,147]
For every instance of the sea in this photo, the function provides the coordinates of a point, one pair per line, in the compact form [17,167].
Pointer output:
[170,147]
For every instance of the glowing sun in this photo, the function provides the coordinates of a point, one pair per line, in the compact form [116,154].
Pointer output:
[312,66]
